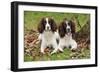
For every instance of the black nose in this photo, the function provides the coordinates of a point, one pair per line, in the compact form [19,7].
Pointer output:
[68,30]
[47,27]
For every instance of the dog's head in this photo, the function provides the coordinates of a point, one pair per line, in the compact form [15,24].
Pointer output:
[47,24]
[66,27]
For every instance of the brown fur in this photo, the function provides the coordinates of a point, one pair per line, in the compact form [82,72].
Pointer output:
[53,25]
[41,26]
[62,28]
[72,27]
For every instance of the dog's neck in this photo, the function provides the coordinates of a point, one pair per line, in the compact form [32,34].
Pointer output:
[68,36]
[48,34]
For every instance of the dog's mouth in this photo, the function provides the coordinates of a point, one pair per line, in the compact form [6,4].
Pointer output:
[68,30]
[48,29]
[68,33]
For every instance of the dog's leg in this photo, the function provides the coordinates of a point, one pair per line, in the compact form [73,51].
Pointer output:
[40,37]
[43,46]
[54,45]
[60,49]
[73,45]
[56,49]
[60,46]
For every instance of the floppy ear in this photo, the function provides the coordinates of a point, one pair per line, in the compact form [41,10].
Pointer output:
[73,28]
[41,26]
[61,30]
[53,25]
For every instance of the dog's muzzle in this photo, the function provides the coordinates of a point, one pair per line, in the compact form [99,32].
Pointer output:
[68,30]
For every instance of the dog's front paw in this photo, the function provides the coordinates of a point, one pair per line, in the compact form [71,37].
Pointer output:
[42,52]
[61,50]
[73,50]
[53,52]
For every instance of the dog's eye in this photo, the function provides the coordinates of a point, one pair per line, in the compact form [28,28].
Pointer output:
[69,24]
[50,22]
[44,22]
[65,25]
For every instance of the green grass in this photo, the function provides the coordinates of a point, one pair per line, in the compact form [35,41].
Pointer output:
[32,19]
[28,58]
[66,55]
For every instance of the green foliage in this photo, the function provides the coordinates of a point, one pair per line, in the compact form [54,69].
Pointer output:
[27,58]
[66,55]
[32,19]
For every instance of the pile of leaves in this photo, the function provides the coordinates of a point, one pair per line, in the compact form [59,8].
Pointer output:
[32,48]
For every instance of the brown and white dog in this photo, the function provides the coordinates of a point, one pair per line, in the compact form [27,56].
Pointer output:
[47,33]
[66,32]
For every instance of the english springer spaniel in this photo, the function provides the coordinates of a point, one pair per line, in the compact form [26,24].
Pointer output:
[66,32]
[47,33]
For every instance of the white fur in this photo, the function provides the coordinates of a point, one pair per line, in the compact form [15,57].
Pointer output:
[48,38]
[66,41]
[47,24]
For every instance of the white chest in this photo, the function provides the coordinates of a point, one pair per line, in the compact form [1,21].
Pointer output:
[48,37]
[65,40]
